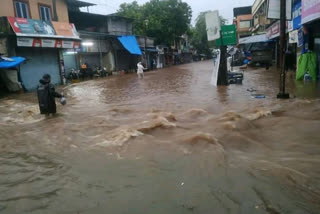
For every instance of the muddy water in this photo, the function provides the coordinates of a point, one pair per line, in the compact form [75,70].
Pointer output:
[168,143]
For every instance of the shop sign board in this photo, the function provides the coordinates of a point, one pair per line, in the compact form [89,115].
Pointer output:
[228,34]
[310,10]
[46,43]
[274,9]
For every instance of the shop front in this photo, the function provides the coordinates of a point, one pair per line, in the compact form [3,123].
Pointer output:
[309,38]
[42,44]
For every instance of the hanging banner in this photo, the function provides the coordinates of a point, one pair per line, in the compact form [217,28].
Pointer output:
[300,37]
[274,9]
[289,26]
[296,15]
[310,10]
[215,72]
[213,25]
[293,36]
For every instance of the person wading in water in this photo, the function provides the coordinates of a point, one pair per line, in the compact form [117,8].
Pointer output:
[46,96]
[140,69]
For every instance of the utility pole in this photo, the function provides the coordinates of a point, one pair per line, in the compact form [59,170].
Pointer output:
[223,73]
[145,42]
[282,94]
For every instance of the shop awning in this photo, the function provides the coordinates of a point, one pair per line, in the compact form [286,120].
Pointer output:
[130,44]
[46,34]
[10,62]
[254,39]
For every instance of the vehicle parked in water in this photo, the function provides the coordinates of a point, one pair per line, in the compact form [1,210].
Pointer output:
[261,53]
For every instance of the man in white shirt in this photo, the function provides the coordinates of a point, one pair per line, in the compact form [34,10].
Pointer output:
[140,70]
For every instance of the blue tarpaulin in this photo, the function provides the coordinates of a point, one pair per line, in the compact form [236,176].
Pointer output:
[130,43]
[10,62]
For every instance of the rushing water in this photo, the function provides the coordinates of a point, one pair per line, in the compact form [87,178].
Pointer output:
[168,143]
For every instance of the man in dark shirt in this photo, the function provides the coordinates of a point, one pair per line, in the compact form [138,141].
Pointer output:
[46,96]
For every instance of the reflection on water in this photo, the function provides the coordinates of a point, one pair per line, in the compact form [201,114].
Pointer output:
[168,143]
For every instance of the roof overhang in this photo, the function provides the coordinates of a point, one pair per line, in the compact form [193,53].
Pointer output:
[77,3]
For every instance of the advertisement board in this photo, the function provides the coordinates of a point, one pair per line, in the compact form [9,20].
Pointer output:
[296,15]
[65,29]
[213,25]
[30,27]
[274,9]
[43,29]
[310,10]
[293,36]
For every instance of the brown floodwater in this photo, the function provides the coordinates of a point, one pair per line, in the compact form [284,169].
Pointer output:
[168,143]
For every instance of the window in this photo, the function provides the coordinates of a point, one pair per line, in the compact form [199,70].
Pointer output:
[22,9]
[245,24]
[45,12]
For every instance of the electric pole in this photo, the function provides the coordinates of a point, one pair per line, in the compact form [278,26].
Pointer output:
[282,94]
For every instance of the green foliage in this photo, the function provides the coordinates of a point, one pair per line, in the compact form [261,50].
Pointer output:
[199,39]
[165,20]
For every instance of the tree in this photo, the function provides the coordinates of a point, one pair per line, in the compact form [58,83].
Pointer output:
[165,20]
[133,11]
[199,38]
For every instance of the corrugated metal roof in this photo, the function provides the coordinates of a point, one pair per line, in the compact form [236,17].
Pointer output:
[254,39]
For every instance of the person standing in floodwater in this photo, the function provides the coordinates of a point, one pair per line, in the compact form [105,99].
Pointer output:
[140,70]
[46,96]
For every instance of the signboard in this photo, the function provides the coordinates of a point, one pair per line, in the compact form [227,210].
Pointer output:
[30,26]
[24,42]
[274,9]
[213,25]
[44,29]
[289,26]
[293,36]
[46,43]
[65,29]
[310,10]
[300,37]
[274,30]
[215,72]
[296,15]
[228,34]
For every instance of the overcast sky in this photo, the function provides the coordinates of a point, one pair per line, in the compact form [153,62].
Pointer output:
[225,7]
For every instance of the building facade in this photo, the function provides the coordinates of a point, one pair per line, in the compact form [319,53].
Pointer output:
[35,9]
[101,46]
[259,14]
[243,21]
[38,31]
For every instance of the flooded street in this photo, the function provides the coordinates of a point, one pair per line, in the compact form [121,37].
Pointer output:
[168,143]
